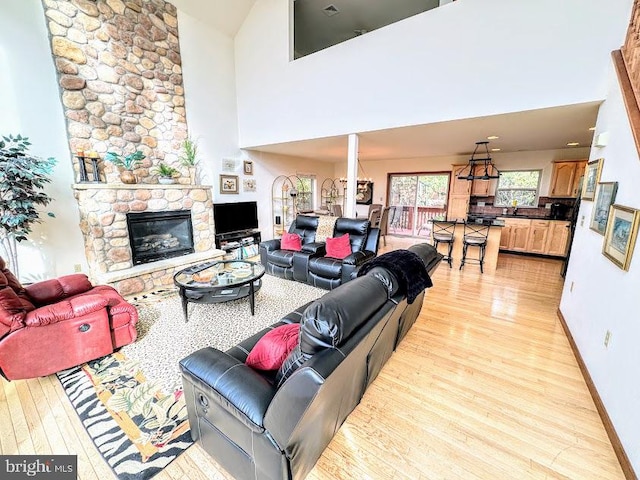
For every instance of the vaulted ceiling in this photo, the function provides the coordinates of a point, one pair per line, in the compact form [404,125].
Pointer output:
[544,129]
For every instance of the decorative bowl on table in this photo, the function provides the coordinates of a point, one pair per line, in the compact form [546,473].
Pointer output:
[241,273]
[206,276]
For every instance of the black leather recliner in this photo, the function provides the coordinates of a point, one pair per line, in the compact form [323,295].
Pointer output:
[280,263]
[327,272]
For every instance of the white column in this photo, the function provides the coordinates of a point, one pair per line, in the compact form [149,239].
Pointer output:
[352,176]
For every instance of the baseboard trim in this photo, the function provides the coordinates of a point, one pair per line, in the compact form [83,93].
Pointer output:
[625,464]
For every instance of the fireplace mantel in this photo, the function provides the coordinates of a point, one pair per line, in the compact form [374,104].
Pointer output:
[136,186]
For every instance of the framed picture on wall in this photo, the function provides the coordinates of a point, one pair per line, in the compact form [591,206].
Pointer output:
[228,184]
[591,178]
[229,165]
[364,192]
[604,198]
[248,167]
[249,185]
[620,236]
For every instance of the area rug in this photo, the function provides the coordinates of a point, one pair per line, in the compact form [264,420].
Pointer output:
[131,402]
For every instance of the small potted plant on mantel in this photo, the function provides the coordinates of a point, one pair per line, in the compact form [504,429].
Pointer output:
[189,157]
[128,163]
[166,173]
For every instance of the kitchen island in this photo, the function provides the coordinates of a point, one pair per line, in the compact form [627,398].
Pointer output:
[491,251]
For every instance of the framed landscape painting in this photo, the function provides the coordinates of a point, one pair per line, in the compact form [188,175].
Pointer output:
[620,236]
[605,196]
[591,178]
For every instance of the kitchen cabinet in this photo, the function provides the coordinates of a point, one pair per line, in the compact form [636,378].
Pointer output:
[558,238]
[565,178]
[543,237]
[459,186]
[458,207]
[505,236]
[459,192]
[515,234]
[481,188]
[538,235]
[520,236]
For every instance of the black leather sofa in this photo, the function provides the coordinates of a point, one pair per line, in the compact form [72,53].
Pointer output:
[263,425]
[310,265]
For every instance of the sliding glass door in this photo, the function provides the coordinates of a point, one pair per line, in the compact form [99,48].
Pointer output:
[415,199]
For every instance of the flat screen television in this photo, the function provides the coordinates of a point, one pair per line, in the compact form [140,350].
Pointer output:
[234,217]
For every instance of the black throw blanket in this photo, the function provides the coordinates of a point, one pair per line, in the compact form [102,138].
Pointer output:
[407,267]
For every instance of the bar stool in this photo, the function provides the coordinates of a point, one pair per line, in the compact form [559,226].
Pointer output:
[475,235]
[444,232]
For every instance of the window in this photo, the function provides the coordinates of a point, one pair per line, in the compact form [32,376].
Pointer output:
[519,186]
[304,202]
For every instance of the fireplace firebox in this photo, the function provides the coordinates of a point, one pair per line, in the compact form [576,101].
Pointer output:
[159,235]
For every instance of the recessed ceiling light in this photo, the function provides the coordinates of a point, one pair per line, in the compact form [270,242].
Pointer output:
[592,129]
[493,137]
[496,149]
[572,144]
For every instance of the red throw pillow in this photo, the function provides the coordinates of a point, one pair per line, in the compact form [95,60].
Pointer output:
[339,247]
[272,349]
[291,241]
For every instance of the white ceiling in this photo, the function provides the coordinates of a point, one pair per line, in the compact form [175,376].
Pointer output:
[544,129]
[225,16]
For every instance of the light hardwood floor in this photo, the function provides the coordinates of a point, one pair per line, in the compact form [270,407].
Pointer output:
[484,386]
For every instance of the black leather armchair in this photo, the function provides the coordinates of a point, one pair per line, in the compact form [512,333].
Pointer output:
[280,263]
[328,273]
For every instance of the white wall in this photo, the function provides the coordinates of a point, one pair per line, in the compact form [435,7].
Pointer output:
[466,59]
[605,297]
[379,169]
[29,88]
[267,167]
[210,97]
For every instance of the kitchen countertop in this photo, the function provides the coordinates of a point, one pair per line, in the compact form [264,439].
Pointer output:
[525,217]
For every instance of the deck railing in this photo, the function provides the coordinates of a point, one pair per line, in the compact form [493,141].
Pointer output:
[402,217]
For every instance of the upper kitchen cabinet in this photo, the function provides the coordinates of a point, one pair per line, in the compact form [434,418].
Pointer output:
[482,188]
[459,186]
[459,192]
[566,178]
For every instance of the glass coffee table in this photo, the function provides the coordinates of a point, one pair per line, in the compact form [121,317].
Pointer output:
[219,281]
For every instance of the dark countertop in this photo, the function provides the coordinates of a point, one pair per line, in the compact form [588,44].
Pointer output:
[473,217]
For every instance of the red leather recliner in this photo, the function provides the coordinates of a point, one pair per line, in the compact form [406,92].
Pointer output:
[57,324]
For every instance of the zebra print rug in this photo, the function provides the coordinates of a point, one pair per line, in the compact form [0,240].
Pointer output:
[131,402]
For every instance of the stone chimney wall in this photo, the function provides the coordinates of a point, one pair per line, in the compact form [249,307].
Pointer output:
[120,77]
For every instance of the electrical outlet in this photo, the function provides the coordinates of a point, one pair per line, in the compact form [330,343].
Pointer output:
[547,206]
[607,339]
[77,268]
[582,221]
[571,287]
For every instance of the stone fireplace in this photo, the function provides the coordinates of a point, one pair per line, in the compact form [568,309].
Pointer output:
[104,211]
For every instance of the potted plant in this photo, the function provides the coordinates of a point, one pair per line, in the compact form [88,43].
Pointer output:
[22,179]
[189,157]
[166,173]
[128,163]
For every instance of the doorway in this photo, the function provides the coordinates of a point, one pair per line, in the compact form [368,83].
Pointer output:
[415,199]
